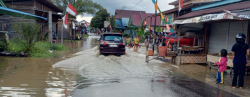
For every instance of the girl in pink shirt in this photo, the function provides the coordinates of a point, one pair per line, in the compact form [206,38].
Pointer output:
[222,65]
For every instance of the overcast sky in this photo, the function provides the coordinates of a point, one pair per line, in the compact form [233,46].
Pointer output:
[144,5]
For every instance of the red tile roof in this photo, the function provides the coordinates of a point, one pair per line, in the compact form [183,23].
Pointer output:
[236,6]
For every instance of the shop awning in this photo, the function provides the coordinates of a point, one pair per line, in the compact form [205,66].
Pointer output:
[205,18]
[125,21]
[12,12]
[236,6]
[242,14]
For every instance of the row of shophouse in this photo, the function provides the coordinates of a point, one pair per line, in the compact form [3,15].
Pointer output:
[212,26]
[215,23]
[36,10]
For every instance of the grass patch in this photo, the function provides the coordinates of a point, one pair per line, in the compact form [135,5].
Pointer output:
[85,35]
[45,49]
[40,48]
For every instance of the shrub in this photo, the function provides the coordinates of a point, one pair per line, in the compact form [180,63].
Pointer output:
[125,35]
[27,31]
[3,45]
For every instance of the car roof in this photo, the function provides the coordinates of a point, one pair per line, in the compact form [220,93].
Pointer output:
[110,33]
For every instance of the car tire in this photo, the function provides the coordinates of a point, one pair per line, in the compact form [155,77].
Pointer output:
[100,53]
[174,47]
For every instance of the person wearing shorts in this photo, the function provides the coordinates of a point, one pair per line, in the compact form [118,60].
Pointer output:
[136,41]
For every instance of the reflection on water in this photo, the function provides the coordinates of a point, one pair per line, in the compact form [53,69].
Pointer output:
[29,77]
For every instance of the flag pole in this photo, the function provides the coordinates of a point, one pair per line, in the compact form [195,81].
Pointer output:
[62,33]
[154,28]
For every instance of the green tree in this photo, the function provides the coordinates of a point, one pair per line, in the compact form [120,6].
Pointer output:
[81,6]
[98,20]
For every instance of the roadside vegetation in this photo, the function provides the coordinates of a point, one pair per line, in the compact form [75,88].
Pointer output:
[29,41]
[39,49]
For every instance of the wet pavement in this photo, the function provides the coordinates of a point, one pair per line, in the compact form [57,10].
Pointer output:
[80,72]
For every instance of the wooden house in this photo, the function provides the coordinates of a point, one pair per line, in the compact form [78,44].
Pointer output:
[70,32]
[34,7]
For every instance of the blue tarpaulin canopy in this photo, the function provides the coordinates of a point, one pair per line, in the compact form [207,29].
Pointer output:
[125,21]
[119,24]
[12,12]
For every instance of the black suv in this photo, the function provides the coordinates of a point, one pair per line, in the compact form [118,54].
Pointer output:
[112,43]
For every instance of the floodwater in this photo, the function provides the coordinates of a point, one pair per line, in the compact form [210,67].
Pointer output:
[80,72]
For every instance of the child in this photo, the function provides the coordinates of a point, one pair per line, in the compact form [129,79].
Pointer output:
[222,65]
[146,43]
[136,42]
[130,44]
[158,41]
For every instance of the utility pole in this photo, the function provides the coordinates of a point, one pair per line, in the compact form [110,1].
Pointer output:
[154,28]
[50,27]
[62,33]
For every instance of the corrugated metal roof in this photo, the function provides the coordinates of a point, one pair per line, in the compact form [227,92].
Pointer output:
[148,19]
[158,21]
[12,12]
[214,4]
[126,13]
[45,2]
[236,6]
[125,21]
[136,19]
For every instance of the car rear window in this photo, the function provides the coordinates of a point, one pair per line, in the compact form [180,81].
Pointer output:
[112,38]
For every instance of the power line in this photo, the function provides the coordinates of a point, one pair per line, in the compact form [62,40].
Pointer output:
[137,4]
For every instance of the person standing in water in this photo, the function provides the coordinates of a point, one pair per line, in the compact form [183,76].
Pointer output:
[146,43]
[163,40]
[239,50]
[158,42]
[136,42]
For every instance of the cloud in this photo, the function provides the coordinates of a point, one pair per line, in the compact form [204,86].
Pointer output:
[144,5]
[86,17]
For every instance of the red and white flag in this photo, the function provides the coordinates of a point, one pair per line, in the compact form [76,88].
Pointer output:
[86,24]
[180,5]
[71,10]
[110,28]
[65,21]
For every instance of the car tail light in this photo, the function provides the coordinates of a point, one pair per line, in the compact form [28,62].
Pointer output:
[123,43]
[102,42]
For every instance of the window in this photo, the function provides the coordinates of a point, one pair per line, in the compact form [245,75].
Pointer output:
[3,26]
[112,38]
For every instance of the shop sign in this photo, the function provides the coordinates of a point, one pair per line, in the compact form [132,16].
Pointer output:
[205,18]
[106,23]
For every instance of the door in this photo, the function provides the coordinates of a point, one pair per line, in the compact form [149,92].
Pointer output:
[235,28]
[222,35]
[218,37]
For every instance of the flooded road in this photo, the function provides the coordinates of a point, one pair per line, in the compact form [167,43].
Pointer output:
[80,72]
[35,77]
